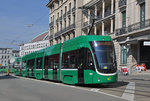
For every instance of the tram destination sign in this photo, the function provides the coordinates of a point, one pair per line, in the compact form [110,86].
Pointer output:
[146,43]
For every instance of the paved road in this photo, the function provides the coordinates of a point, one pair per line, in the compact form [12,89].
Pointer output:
[142,86]
[133,87]
[23,89]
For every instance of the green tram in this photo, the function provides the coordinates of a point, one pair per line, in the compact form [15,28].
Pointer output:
[81,60]
[3,69]
[17,66]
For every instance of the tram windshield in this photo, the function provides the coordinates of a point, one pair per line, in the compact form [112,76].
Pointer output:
[105,56]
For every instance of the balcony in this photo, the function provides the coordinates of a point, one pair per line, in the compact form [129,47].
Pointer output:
[99,17]
[51,24]
[107,13]
[51,37]
[64,16]
[133,27]
[67,29]
[85,23]
[121,31]
[69,12]
[60,18]
[73,10]
[57,20]
[122,3]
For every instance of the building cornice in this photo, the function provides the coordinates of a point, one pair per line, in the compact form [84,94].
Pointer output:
[93,2]
[50,3]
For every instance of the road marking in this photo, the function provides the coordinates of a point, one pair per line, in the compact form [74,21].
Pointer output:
[94,90]
[129,92]
[61,84]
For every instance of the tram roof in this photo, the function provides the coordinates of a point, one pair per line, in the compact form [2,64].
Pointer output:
[55,49]
[18,59]
[83,41]
[72,44]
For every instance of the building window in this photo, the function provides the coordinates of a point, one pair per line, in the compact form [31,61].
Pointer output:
[124,19]
[58,3]
[61,25]
[75,3]
[69,20]
[70,6]
[74,18]
[65,9]
[61,12]
[58,15]
[65,23]
[123,54]
[57,27]
[142,15]
[53,18]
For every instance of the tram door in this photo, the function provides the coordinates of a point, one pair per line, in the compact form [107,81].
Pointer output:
[54,73]
[27,72]
[81,62]
[46,72]
[32,70]
[80,75]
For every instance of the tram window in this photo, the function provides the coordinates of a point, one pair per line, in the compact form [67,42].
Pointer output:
[81,58]
[65,61]
[52,61]
[46,62]
[30,64]
[39,63]
[90,63]
[24,65]
[69,59]
[72,61]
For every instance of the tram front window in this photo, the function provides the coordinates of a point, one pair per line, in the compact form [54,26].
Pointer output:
[105,56]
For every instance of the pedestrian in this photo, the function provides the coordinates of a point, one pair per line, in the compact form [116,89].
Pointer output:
[137,67]
[144,67]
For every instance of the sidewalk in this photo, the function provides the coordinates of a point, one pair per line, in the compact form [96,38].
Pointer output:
[141,73]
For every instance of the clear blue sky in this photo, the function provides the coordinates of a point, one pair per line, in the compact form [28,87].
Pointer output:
[22,20]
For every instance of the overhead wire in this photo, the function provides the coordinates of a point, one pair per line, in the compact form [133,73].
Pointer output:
[79,26]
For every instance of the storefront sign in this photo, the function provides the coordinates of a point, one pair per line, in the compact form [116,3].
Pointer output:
[146,43]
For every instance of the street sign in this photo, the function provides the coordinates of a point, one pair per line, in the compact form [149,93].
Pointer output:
[146,43]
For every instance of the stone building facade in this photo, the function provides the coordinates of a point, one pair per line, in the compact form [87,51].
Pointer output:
[64,20]
[132,33]
[6,54]
[126,21]
[39,42]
